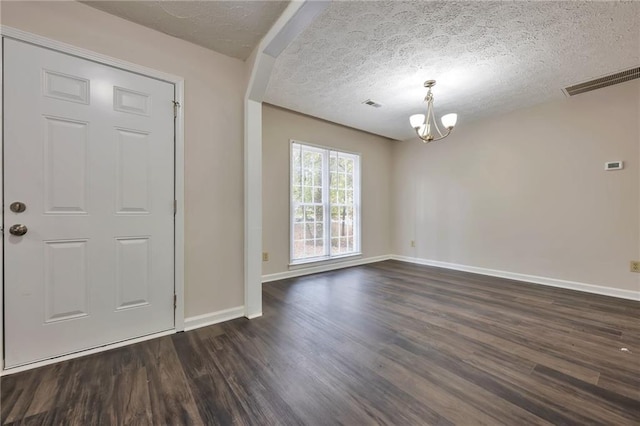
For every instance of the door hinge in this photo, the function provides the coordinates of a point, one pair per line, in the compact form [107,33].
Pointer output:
[175,207]
[175,302]
[176,105]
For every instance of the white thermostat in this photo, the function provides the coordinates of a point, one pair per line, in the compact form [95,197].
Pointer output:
[613,165]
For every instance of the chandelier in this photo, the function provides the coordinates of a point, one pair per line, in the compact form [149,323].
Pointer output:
[424,125]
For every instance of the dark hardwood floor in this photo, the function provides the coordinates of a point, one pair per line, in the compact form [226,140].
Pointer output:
[386,343]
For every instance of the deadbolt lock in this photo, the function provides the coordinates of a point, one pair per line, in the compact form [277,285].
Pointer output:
[18,207]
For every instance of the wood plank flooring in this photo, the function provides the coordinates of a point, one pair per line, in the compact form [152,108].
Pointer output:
[386,343]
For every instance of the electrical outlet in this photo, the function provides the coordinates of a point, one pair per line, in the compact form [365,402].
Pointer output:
[413,243]
[635,266]
[265,256]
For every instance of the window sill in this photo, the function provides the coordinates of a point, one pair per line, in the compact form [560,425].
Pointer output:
[307,263]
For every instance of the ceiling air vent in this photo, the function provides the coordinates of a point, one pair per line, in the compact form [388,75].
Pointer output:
[372,103]
[608,80]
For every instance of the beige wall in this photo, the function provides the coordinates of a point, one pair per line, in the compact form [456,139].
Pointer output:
[214,90]
[527,192]
[278,127]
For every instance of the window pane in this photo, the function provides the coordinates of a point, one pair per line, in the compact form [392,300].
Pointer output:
[309,214]
[335,244]
[317,171]
[297,194]
[309,231]
[307,176]
[348,229]
[298,231]
[335,213]
[298,241]
[296,178]
[333,196]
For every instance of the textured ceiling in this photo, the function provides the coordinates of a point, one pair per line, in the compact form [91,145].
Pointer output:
[232,28]
[487,57]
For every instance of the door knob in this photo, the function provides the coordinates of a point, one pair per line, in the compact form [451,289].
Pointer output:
[18,230]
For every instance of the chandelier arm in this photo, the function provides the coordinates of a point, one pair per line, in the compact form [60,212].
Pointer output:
[426,139]
[435,123]
[438,129]
[443,136]
[420,136]
[424,126]
[432,116]
[428,117]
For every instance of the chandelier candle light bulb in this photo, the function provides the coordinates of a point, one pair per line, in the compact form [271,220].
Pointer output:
[424,123]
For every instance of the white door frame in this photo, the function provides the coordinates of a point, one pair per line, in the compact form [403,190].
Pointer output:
[178,82]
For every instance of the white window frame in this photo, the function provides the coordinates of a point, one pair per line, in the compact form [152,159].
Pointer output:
[326,201]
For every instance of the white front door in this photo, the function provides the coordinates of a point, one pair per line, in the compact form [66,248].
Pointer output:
[89,151]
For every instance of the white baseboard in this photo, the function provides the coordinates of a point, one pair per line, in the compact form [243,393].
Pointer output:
[552,282]
[322,268]
[211,318]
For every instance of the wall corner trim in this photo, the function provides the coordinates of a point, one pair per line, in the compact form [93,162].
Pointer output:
[211,318]
[323,268]
[551,282]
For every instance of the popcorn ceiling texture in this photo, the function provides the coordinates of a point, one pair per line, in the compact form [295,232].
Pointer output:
[487,57]
[232,28]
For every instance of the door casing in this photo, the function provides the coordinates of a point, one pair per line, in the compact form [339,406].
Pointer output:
[178,82]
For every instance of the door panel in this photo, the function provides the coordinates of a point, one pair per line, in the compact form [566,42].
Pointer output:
[65,165]
[133,172]
[65,280]
[134,272]
[66,87]
[89,149]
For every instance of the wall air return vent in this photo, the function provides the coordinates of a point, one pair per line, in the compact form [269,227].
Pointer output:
[608,80]
[372,103]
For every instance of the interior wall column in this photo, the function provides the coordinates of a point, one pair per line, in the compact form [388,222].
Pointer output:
[295,19]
